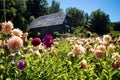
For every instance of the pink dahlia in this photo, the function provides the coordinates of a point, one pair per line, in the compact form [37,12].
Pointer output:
[15,43]
[7,27]
[17,32]
[98,53]
[78,50]
[36,41]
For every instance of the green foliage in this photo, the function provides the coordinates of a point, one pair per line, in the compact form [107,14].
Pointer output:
[117,26]
[20,11]
[115,33]
[20,23]
[99,21]
[55,7]
[31,9]
[32,18]
[21,6]
[80,31]
[36,8]
[11,13]
[77,16]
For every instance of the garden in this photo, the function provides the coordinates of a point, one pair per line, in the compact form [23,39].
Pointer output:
[60,58]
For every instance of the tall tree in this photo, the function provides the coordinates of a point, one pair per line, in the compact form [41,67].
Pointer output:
[77,16]
[21,6]
[86,18]
[117,26]
[19,20]
[10,11]
[55,7]
[36,8]
[99,20]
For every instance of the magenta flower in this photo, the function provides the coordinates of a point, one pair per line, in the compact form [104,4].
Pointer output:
[21,65]
[36,41]
[48,40]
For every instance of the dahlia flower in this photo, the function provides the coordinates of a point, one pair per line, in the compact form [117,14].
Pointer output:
[36,41]
[78,50]
[107,38]
[17,32]
[101,47]
[15,43]
[21,65]
[48,40]
[7,27]
[98,53]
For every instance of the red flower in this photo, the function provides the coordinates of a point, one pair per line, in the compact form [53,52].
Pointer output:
[36,41]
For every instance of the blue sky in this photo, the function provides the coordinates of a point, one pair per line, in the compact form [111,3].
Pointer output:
[110,7]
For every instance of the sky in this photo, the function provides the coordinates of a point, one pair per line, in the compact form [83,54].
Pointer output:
[110,7]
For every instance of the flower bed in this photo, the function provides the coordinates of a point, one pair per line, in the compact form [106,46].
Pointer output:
[60,58]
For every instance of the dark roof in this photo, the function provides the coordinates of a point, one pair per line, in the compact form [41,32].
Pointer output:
[48,20]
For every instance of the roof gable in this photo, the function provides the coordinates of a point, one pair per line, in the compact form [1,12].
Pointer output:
[48,20]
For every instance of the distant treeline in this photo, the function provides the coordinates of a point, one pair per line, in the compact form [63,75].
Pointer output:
[23,12]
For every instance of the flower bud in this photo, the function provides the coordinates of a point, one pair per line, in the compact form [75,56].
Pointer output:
[55,53]
[84,64]
[11,57]
[116,64]
[69,54]
[21,65]
[111,48]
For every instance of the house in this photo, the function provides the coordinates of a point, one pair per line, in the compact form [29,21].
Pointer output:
[49,24]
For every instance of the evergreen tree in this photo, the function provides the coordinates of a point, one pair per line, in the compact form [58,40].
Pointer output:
[77,16]
[10,11]
[36,8]
[99,20]
[55,7]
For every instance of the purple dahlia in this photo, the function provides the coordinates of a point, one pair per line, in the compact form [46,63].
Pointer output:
[21,65]
[48,40]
